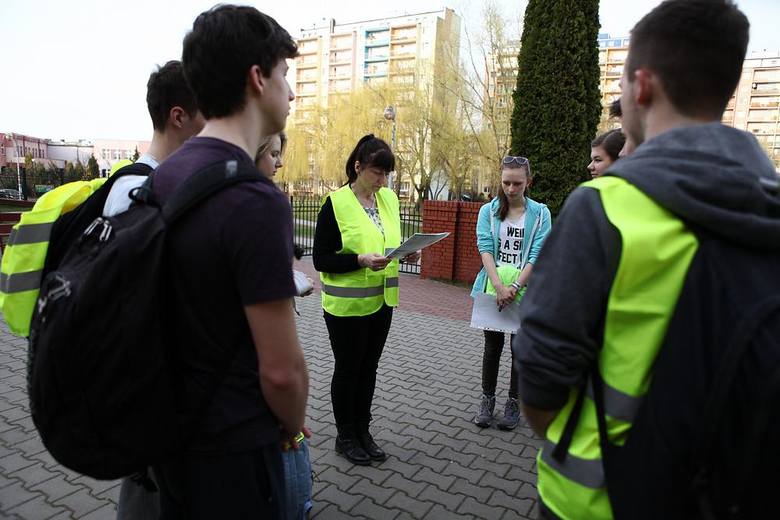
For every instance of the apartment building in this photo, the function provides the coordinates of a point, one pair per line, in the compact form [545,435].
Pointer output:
[755,105]
[338,58]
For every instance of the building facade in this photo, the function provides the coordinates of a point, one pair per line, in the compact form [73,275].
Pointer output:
[110,151]
[338,58]
[16,147]
[62,151]
[755,105]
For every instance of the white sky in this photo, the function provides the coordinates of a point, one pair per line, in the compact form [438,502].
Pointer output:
[78,68]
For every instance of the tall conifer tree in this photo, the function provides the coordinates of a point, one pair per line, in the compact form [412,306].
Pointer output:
[557,101]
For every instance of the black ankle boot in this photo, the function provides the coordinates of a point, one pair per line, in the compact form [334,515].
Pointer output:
[351,449]
[376,453]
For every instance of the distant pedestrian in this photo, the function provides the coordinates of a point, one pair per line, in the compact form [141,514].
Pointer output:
[511,230]
[605,150]
[356,225]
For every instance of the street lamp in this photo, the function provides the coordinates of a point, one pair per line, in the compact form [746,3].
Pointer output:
[390,114]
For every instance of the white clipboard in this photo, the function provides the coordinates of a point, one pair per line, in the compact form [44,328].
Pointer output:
[415,243]
[486,316]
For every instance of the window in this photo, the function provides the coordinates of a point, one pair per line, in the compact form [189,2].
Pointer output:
[761,128]
[377,52]
[377,36]
[767,75]
[763,115]
[376,68]
[765,88]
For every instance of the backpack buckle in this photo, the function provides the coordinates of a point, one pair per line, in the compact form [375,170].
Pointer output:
[105,229]
[52,292]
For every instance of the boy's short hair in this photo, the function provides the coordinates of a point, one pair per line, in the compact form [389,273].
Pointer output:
[224,43]
[696,47]
[166,89]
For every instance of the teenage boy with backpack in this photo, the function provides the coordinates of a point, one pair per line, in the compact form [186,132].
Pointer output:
[654,376]
[231,264]
[175,118]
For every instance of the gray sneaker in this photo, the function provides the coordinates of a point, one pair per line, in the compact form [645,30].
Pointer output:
[511,415]
[485,413]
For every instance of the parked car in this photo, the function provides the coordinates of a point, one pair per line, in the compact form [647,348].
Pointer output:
[10,194]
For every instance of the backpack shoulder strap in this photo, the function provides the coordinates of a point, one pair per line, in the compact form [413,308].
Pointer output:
[205,183]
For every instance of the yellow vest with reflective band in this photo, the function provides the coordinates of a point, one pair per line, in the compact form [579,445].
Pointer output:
[25,254]
[656,252]
[362,292]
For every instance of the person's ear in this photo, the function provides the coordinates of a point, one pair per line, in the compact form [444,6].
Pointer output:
[645,83]
[357,167]
[177,117]
[256,80]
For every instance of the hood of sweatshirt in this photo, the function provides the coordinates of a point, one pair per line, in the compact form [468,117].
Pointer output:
[714,176]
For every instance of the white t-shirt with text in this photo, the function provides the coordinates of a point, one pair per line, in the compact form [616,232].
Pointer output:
[510,238]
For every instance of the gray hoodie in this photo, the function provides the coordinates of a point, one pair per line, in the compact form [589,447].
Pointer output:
[710,175]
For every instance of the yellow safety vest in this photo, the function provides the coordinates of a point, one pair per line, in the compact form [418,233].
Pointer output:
[363,291]
[656,252]
[25,254]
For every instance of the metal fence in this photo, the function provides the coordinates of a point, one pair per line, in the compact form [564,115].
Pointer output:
[306,208]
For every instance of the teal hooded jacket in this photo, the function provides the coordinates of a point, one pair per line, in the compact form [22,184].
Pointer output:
[537,226]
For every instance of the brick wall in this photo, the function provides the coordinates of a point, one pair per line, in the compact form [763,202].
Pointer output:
[456,257]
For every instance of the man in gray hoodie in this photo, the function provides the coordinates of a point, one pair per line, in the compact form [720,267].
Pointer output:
[626,275]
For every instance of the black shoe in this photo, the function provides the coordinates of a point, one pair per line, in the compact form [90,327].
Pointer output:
[484,416]
[511,415]
[351,450]
[376,453]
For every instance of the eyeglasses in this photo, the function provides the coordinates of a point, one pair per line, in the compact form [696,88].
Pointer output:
[509,159]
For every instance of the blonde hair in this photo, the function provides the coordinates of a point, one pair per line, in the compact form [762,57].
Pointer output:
[266,143]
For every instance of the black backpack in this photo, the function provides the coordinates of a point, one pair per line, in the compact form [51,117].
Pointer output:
[706,440]
[99,373]
[69,226]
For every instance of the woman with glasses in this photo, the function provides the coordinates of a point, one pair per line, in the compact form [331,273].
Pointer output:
[510,232]
[356,225]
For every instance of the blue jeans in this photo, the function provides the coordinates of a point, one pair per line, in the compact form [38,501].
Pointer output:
[297,482]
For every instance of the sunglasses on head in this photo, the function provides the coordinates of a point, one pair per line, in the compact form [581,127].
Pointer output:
[509,159]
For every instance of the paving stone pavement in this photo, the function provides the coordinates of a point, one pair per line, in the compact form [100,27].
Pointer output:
[440,466]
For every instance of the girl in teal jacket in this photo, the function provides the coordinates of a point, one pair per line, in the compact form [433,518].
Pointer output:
[511,230]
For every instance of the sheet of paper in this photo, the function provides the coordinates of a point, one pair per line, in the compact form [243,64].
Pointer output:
[415,243]
[486,316]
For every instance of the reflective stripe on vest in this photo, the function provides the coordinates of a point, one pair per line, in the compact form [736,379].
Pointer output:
[656,252]
[363,291]
[25,255]
[30,234]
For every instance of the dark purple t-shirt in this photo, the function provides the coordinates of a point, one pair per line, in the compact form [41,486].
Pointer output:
[232,250]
